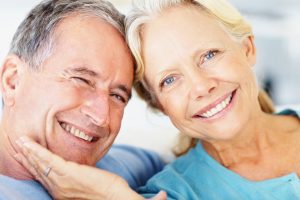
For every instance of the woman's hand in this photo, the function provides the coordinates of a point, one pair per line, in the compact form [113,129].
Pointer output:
[69,180]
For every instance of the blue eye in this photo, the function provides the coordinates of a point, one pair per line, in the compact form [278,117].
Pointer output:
[209,55]
[168,81]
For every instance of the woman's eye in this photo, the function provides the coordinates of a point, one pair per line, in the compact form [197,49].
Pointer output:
[209,55]
[167,81]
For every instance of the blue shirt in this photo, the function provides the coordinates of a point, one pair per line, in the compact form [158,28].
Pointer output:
[135,165]
[197,175]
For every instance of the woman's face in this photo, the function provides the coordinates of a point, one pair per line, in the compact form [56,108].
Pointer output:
[202,78]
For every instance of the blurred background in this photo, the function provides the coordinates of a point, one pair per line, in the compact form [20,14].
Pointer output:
[277,31]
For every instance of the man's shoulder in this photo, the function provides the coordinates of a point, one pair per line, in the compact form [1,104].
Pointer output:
[134,164]
[11,189]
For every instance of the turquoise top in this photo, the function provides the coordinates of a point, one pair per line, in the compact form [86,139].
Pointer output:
[197,175]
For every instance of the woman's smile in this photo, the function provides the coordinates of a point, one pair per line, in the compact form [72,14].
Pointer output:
[216,109]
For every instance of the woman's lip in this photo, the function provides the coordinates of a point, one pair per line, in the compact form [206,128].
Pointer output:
[213,105]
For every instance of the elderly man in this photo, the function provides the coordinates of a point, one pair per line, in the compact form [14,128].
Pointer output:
[65,84]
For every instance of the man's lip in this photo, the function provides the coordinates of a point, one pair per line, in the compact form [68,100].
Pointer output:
[214,104]
[89,133]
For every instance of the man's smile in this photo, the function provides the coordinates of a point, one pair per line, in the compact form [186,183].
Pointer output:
[77,132]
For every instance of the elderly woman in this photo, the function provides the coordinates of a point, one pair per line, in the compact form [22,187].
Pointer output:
[195,63]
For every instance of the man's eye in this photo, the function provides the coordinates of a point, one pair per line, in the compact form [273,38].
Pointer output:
[83,80]
[119,98]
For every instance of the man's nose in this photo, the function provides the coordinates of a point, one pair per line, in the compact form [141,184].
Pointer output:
[97,109]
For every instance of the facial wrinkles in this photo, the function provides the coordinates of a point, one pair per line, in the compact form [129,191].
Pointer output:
[67,108]
[187,127]
[179,46]
[83,123]
[90,94]
[85,78]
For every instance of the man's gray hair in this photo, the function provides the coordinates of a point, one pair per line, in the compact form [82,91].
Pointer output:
[33,40]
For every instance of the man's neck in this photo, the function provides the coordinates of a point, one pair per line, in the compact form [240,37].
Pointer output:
[9,166]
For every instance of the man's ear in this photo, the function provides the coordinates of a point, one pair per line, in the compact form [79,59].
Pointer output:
[10,78]
[250,50]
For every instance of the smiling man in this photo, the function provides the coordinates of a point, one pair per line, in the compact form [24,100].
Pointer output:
[65,84]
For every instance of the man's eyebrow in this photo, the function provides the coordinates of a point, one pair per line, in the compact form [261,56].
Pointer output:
[126,90]
[81,71]
[86,71]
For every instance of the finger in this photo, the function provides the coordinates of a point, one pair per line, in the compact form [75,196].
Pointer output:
[41,159]
[23,160]
[29,154]
[37,159]
[160,196]
[26,158]
[36,168]
[41,156]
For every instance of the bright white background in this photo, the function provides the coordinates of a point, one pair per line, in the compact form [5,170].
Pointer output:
[277,29]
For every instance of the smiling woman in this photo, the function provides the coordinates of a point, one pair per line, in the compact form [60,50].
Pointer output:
[195,64]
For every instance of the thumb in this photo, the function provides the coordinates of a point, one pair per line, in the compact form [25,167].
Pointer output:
[160,196]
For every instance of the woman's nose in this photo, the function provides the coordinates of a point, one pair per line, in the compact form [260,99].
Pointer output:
[201,85]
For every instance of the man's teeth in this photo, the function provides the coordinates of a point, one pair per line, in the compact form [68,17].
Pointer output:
[218,108]
[76,132]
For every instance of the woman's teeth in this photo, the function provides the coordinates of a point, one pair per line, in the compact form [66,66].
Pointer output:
[76,132]
[218,108]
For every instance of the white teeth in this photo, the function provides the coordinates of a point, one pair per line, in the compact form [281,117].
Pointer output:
[76,132]
[63,125]
[218,108]
[72,131]
[68,128]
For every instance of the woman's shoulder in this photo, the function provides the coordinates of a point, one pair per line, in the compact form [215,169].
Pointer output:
[173,179]
[295,111]
[176,178]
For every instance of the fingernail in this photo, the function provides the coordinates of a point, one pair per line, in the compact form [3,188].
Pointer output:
[19,143]
[16,156]
[22,143]
[23,139]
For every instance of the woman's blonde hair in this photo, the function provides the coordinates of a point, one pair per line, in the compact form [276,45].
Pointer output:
[146,10]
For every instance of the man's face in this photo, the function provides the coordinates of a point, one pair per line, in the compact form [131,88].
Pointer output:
[75,104]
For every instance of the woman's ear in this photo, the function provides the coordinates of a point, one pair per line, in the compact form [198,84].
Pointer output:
[9,78]
[250,50]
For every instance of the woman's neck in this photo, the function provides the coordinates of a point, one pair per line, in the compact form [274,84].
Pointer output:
[254,143]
